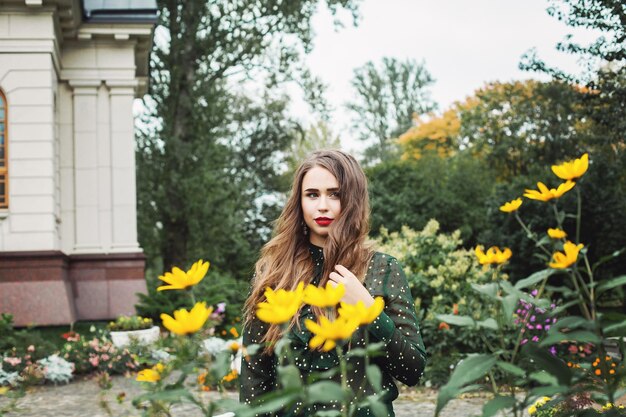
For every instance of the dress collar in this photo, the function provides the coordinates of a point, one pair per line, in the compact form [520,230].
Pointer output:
[317,253]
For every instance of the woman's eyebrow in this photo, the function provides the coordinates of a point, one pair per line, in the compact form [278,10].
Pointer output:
[328,189]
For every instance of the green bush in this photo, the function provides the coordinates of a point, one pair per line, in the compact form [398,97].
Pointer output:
[440,274]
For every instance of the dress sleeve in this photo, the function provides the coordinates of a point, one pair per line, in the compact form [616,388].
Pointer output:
[397,327]
[258,370]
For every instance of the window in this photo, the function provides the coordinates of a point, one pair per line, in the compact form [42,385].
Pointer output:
[4,175]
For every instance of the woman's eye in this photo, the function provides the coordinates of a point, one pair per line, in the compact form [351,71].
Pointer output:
[334,195]
[311,195]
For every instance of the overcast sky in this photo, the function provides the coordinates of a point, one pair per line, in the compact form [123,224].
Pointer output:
[464,43]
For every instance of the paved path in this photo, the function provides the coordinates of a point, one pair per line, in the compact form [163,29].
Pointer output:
[81,399]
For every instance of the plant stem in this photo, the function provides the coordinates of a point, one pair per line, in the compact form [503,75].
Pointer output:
[531,235]
[578,214]
[583,304]
[344,381]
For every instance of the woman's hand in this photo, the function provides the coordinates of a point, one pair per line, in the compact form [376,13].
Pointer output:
[355,290]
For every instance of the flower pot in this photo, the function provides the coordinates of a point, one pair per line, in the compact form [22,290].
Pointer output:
[144,336]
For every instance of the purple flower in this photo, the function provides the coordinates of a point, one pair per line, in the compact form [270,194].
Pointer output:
[547,327]
[553,351]
[221,308]
[535,338]
[538,327]
[523,342]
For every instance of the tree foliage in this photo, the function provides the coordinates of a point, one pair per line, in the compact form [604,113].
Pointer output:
[387,98]
[207,151]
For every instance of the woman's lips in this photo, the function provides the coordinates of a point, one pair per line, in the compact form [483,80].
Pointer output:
[323,221]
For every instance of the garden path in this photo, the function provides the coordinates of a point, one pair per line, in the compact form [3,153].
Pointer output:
[81,399]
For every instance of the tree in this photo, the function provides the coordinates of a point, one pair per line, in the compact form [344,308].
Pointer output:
[207,152]
[388,97]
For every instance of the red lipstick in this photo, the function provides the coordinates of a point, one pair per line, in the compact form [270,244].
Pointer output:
[323,221]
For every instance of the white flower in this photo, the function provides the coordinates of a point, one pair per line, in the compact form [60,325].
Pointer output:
[8,378]
[160,355]
[215,345]
[56,369]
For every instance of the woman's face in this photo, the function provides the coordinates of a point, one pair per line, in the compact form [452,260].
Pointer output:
[320,203]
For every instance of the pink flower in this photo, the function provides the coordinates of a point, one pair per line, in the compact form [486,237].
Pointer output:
[94,360]
[13,361]
[105,357]
[31,348]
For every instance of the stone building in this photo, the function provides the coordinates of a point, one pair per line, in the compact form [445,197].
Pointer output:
[69,72]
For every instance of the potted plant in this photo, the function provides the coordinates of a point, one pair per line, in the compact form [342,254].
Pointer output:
[128,328]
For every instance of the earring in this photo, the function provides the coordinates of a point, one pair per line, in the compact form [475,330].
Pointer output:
[305,230]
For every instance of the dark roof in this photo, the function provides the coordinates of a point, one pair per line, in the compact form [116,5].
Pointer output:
[120,11]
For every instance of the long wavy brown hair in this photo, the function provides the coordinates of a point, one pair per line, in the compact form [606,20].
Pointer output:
[286,261]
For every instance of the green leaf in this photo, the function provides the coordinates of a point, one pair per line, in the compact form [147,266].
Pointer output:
[496,404]
[221,365]
[324,392]
[448,392]
[610,284]
[375,377]
[470,369]
[547,362]
[607,258]
[548,391]
[275,400]
[490,290]
[534,278]
[510,368]
[564,307]
[289,376]
[377,407]
[488,324]
[457,320]
[573,322]
[544,378]
[539,302]
[583,336]
[171,396]
[615,329]
[509,303]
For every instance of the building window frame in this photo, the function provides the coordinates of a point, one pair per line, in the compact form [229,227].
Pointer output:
[4,153]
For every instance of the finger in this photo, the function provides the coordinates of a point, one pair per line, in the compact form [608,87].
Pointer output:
[336,277]
[332,283]
[344,271]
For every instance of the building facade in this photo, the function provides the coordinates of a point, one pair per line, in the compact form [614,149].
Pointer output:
[69,73]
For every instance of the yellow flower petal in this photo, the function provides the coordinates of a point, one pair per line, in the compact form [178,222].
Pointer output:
[572,169]
[511,206]
[556,233]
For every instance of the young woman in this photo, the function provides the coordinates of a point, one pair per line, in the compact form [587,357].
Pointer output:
[321,236]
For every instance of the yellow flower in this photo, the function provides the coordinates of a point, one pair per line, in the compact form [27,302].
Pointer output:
[187,322]
[511,206]
[179,280]
[556,233]
[572,169]
[234,347]
[281,305]
[493,255]
[231,376]
[366,315]
[545,194]
[4,390]
[151,375]
[564,260]
[324,297]
[532,410]
[328,332]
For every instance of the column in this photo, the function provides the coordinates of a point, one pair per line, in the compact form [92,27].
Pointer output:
[87,234]
[123,183]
